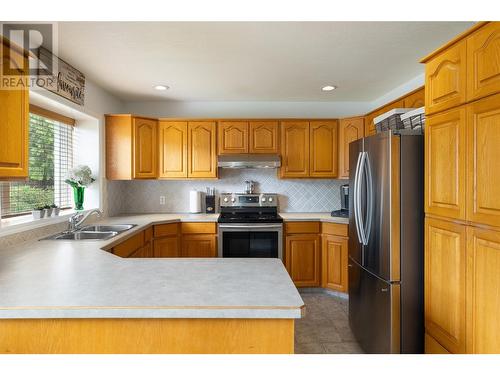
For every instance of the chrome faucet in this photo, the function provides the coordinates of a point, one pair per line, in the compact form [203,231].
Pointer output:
[78,218]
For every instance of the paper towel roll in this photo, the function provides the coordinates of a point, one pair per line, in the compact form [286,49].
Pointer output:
[195,201]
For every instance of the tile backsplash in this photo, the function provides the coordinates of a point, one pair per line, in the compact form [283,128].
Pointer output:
[298,195]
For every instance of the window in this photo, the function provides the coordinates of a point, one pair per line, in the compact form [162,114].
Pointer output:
[50,157]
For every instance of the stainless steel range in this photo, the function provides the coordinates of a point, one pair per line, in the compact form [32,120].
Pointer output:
[250,226]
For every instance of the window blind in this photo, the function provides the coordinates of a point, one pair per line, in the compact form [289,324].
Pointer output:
[50,158]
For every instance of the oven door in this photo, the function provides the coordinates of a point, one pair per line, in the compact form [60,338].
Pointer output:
[251,240]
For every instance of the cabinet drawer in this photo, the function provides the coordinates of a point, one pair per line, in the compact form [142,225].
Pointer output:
[335,229]
[199,228]
[302,227]
[162,230]
[129,246]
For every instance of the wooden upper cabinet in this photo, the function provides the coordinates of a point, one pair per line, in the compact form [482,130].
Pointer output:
[264,137]
[173,147]
[302,259]
[294,149]
[483,61]
[334,263]
[445,150]
[202,153]
[145,148]
[445,283]
[483,161]
[350,129]
[323,159]
[483,286]
[14,119]
[415,100]
[445,79]
[233,137]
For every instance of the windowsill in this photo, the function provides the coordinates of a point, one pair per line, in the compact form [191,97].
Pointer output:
[26,222]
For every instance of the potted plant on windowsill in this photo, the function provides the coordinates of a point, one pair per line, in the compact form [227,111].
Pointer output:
[48,210]
[38,212]
[79,178]
[55,209]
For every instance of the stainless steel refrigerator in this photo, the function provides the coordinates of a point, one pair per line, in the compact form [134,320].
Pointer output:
[386,235]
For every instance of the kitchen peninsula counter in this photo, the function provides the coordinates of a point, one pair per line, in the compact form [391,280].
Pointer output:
[74,291]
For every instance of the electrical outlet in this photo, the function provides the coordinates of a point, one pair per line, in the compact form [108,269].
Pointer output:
[162,199]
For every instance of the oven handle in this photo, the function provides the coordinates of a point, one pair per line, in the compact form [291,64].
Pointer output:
[245,226]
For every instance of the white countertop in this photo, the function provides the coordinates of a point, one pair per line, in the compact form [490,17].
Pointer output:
[76,279]
[313,216]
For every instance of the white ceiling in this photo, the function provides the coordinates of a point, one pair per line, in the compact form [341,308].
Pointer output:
[251,61]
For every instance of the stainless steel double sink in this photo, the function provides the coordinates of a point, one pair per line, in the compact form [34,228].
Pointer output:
[92,232]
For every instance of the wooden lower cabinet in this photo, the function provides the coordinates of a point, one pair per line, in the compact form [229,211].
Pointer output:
[445,292]
[334,263]
[302,259]
[199,246]
[483,291]
[433,347]
[167,247]
[144,252]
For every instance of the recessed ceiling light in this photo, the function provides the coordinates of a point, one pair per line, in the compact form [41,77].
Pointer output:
[328,88]
[161,87]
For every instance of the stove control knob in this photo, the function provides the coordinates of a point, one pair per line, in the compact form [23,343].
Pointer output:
[270,199]
[263,199]
[226,199]
[233,200]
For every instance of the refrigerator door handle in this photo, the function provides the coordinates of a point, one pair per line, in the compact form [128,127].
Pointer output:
[359,214]
[369,198]
[355,198]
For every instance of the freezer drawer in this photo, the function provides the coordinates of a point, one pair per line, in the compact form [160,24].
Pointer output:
[374,311]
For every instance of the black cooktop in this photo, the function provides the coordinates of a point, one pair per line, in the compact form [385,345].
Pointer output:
[249,215]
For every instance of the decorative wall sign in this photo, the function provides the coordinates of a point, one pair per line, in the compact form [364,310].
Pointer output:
[65,81]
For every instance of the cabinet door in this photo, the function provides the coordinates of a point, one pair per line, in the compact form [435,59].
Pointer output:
[233,137]
[199,246]
[445,79]
[350,130]
[369,125]
[415,100]
[144,252]
[334,263]
[14,118]
[202,154]
[445,269]
[303,259]
[483,161]
[483,62]
[483,286]
[145,148]
[166,247]
[264,137]
[445,164]
[173,149]
[323,159]
[295,149]
[129,246]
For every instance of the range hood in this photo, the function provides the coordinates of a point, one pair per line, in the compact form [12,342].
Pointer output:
[240,161]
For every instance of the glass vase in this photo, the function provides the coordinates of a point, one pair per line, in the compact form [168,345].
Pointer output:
[78,194]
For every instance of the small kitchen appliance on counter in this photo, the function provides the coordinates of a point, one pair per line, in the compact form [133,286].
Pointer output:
[210,201]
[249,226]
[344,202]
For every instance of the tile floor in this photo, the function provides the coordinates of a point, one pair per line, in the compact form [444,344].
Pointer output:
[325,328]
